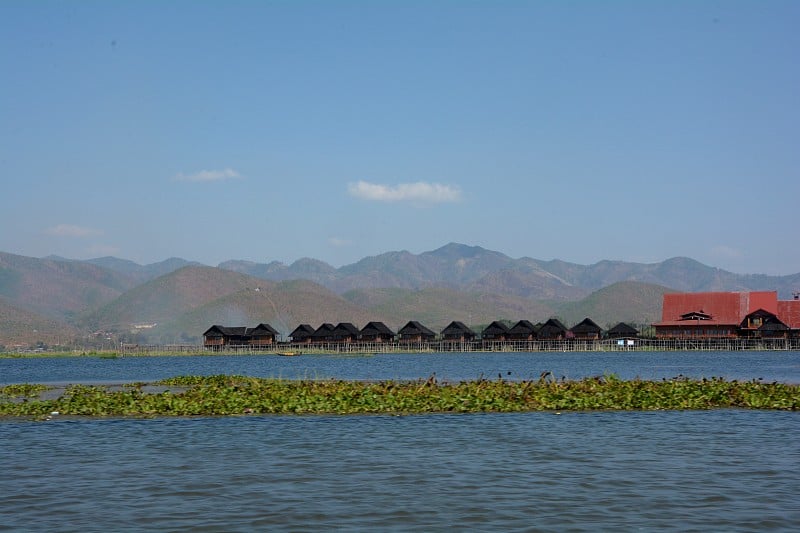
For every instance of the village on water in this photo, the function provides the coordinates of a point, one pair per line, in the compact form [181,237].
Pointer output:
[707,320]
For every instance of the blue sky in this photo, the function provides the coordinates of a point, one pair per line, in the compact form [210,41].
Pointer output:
[258,130]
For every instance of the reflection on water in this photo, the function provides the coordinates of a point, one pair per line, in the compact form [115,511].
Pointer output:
[719,470]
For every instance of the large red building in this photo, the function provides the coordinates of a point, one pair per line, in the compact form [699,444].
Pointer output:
[757,314]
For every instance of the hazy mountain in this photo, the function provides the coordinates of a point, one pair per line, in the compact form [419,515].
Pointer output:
[436,307]
[49,299]
[24,327]
[139,272]
[169,296]
[627,301]
[123,266]
[274,271]
[306,268]
[58,289]
[631,302]
[453,265]
[529,281]
[284,306]
[476,269]
[678,273]
[393,269]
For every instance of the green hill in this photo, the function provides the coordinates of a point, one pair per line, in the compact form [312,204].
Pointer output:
[58,289]
[628,301]
[436,307]
[167,297]
[22,328]
[284,306]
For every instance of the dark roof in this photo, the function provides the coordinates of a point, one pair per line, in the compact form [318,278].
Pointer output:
[325,330]
[586,325]
[523,327]
[225,331]
[415,328]
[348,327]
[264,328]
[303,330]
[239,331]
[773,326]
[623,330]
[554,322]
[457,328]
[495,328]
[377,328]
[770,321]
[761,313]
[552,328]
[214,331]
[696,315]
[345,329]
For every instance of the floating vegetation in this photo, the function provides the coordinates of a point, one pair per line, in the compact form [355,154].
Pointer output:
[22,390]
[237,395]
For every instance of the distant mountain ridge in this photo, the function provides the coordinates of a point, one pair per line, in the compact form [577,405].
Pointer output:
[474,268]
[168,296]
[175,300]
[58,289]
[139,272]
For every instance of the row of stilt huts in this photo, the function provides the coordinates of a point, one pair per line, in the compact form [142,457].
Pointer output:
[413,333]
[708,320]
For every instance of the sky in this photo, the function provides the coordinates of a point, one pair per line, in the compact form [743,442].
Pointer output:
[277,130]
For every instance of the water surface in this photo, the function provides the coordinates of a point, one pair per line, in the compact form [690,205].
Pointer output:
[723,470]
[745,365]
[727,470]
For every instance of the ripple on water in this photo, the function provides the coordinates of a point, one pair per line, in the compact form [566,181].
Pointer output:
[724,470]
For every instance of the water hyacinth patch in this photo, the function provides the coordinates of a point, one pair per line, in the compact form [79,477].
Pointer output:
[22,390]
[238,395]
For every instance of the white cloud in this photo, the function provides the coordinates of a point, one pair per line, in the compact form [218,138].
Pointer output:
[71,230]
[209,175]
[339,243]
[419,192]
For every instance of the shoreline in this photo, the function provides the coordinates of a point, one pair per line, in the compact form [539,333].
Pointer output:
[370,349]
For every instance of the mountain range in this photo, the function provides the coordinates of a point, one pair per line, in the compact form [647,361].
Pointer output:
[54,300]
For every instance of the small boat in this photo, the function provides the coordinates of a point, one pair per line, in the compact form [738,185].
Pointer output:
[289,354]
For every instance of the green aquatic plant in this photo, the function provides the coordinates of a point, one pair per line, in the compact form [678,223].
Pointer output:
[237,395]
[22,390]
[218,379]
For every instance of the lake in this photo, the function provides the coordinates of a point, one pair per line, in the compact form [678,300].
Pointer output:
[743,365]
[731,470]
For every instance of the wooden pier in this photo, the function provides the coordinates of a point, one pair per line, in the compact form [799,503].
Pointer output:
[569,345]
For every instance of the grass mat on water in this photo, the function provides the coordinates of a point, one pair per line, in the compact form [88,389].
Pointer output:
[237,395]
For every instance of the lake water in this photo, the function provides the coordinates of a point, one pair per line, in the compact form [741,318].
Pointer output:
[743,365]
[722,470]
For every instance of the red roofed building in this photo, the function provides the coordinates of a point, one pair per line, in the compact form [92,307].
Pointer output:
[728,314]
[789,313]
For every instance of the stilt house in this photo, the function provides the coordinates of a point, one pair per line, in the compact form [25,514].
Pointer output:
[458,332]
[415,332]
[523,330]
[586,329]
[376,332]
